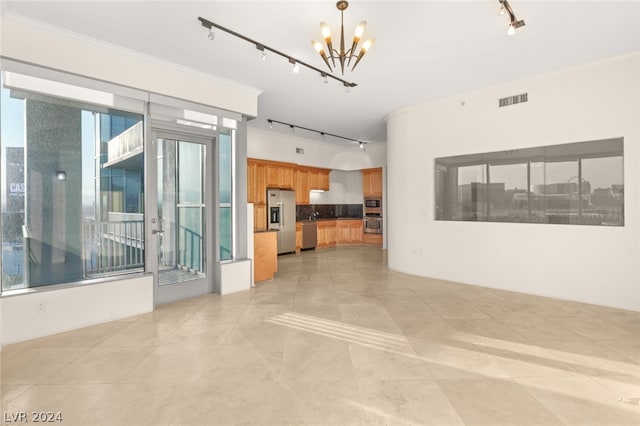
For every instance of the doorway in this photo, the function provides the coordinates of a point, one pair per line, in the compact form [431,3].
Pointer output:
[180,223]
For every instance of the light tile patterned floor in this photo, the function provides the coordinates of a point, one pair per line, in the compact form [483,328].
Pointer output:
[339,339]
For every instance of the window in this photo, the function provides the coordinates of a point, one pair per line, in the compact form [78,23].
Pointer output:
[72,187]
[576,183]
[226,155]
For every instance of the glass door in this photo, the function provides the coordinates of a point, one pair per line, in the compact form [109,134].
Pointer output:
[181,225]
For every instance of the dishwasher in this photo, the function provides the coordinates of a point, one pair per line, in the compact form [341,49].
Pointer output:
[309,235]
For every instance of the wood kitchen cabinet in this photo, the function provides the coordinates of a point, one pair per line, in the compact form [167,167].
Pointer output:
[355,231]
[302,186]
[326,233]
[265,255]
[298,237]
[348,231]
[266,174]
[372,182]
[279,175]
[308,178]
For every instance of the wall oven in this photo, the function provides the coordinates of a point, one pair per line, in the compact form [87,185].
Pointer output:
[372,224]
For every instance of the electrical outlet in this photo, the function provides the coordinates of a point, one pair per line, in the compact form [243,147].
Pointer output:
[41,307]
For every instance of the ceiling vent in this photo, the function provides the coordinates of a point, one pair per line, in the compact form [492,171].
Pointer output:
[512,100]
[299,150]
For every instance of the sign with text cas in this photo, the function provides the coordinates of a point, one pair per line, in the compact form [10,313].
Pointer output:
[15,179]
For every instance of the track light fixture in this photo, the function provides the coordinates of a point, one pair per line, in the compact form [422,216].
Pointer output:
[514,23]
[263,48]
[342,56]
[361,144]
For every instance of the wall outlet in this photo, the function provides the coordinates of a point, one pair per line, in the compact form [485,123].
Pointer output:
[41,307]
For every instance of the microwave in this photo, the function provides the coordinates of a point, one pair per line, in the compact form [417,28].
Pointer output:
[372,203]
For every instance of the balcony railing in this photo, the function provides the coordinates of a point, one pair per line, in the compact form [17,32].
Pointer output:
[113,246]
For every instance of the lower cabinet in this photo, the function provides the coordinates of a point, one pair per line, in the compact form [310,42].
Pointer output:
[337,232]
[375,239]
[326,233]
[348,231]
[265,255]
[298,236]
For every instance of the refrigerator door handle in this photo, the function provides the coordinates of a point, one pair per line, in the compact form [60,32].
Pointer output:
[281,207]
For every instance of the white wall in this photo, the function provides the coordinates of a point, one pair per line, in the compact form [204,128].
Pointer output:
[68,52]
[49,311]
[592,264]
[267,145]
[345,188]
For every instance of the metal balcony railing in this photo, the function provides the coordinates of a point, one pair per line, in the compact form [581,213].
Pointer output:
[113,246]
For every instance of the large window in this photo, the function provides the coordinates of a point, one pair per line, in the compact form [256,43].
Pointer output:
[72,186]
[226,173]
[577,183]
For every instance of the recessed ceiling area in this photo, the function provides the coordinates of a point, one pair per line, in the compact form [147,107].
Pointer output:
[424,50]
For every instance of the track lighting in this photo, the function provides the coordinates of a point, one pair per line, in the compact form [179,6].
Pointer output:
[263,55]
[514,23]
[264,48]
[296,68]
[361,144]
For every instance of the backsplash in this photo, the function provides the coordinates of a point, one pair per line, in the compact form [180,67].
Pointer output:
[329,211]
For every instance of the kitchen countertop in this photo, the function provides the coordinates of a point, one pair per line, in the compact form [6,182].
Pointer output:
[331,218]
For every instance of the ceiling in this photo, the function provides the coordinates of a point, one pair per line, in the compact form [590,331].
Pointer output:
[424,50]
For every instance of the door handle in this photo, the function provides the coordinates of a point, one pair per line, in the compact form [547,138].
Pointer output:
[157,231]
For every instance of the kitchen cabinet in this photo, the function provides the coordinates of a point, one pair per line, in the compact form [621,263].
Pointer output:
[298,236]
[348,231]
[375,239]
[355,231]
[302,186]
[266,174]
[339,232]
[372,182]
[263,174]
[279,176]
[265,255]
[256,187]
[326,233]
[308,178]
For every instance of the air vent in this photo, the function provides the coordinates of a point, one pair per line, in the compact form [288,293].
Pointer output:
[512,100]
[299,150]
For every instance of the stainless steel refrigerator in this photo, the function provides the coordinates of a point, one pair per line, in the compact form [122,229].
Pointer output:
[281,208]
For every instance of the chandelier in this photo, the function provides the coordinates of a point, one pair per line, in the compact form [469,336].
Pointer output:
[342,56]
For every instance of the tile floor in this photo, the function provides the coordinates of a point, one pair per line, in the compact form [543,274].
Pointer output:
[339,339]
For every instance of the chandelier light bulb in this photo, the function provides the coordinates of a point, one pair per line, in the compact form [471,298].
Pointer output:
[264,55]
[360,30]
[511,30]
[367,45]
[296,68]
[502,10]
[326,31]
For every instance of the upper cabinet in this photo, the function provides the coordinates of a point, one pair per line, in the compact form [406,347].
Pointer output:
[264,174]
[280,175]
[372,182]
[308,178]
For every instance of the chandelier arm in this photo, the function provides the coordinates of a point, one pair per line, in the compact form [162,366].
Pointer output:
[208,24]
